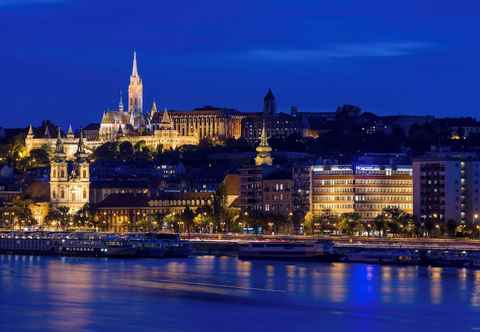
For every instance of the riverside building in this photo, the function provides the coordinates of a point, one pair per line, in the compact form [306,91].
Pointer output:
[265,188]
[366,189]
[446,187]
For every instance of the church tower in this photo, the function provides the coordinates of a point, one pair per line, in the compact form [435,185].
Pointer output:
[58,173]
[269,104]
[81,181]
[264,151]
[135,92]
[69,181]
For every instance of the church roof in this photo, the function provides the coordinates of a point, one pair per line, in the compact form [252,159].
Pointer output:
[166,118]
[112,117]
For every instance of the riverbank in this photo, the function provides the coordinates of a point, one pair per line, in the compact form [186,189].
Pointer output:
[374,251]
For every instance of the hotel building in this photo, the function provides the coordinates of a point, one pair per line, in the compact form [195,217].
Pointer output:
[363,188]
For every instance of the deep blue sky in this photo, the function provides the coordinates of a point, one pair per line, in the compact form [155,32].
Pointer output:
[68,60]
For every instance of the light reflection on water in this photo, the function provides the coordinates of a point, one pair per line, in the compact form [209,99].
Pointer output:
[205,293]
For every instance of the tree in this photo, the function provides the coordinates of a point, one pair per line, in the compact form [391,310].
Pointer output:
[39,158]
[219,207]
[429,226]
[17,214]
[348,223]
[53,217]
[59,217]
[451,227]
[231,216]
[308,223]
[379,224]
[171,220]
[107,151]
[85,217]
[187,217]
[344,226]
[143,156]
[125,150]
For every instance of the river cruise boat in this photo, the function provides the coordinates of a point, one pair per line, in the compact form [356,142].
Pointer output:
[318,250]
[382,256]
[454,258]
[28,243]
[160,245]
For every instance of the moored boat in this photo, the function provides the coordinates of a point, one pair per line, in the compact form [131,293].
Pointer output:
[382,256]
[314,250]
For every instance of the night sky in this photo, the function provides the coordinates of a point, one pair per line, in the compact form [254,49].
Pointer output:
[68,60]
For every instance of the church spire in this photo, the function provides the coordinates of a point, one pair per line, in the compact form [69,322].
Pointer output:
[153,110]
[264,150]
[134,67]
[30,131]
[70,132]
[120,103]
[135,91]
[166,117]
[263,137]
[81,152]
[59,150]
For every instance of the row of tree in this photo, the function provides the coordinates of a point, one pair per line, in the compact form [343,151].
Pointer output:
[391,222]
[218,218]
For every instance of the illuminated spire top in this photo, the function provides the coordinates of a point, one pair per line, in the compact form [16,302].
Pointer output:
[154,107]
[264,151]
[263,137]
[134,68]
[120,103]
[70,132]
[30,130]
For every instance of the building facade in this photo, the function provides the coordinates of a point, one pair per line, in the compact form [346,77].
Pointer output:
[127,212]
[265,188]
[69,180]
[446,187]
[364,189]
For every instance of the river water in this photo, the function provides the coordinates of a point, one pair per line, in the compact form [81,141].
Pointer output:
[226,294]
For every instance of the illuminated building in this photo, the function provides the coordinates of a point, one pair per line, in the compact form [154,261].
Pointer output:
[69,180]
[263,187]
[365,189]
[446,187]
[264,151]
[126,212]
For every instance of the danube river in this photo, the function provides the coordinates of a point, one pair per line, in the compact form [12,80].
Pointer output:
[226,294]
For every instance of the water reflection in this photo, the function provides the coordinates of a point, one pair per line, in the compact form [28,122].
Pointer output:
[476,290]
[436,285]
[337,289]
[148,295]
